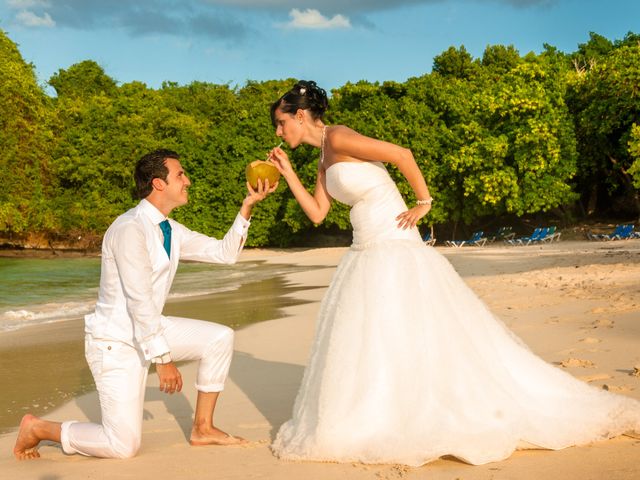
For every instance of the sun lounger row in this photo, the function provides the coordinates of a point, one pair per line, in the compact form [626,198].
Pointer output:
[539,235]
[506,234]
[476,240]
[621,232]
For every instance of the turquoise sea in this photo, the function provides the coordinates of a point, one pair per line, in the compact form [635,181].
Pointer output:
[43,290]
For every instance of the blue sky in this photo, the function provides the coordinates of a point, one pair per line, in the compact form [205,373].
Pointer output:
[330,41]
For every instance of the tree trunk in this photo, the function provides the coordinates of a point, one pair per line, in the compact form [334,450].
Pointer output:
[592,203]
[627,181]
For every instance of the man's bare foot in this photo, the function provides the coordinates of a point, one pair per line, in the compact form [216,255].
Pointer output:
[213,436]
[28,440]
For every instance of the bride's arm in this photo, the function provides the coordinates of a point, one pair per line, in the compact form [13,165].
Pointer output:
[315,206]
[345,142]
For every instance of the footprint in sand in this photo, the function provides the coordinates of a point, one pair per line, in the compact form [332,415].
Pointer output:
[603,323]
[577,362]
[616,388]
[599,310]
[593,378]
[590,340]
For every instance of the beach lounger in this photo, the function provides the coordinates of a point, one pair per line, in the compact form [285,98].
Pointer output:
[503,233]
[621,232]
[429,239]
[527,239]
[549,236]
[476,240]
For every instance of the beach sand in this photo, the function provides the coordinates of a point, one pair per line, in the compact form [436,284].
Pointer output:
[576,304]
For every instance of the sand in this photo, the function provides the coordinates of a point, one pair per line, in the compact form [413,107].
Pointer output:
[576,304]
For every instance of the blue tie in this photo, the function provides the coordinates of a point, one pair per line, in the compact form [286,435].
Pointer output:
[166,232]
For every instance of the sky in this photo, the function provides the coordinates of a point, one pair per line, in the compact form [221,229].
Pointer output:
[330,41]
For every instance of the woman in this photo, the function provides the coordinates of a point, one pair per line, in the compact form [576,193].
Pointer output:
[408,365]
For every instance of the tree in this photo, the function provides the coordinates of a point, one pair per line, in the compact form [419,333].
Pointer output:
[24,140]
[605,102]
[84,79]
[514,147]
[634,152]
[493,137]
[455,62]
[591,52]
[500,59]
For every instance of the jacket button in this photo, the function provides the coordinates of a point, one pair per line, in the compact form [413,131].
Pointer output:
[109,347]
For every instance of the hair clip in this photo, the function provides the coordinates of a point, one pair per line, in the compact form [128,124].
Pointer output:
[303,90]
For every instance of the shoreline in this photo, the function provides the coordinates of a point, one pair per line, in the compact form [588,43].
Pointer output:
[575,304]
[62,343]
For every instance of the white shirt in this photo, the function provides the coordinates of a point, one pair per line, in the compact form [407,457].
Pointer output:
[136,274]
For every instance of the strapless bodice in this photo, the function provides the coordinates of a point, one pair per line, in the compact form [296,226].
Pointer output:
[374,199]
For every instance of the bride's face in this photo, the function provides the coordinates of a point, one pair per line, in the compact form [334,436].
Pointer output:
[290,127]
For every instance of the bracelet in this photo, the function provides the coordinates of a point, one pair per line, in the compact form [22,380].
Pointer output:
[428,201]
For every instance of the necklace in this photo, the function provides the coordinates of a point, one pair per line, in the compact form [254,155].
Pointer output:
[324,130]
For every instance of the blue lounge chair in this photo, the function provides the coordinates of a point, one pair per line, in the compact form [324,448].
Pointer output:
[625,233]
[503,233]
[526,240]
[429,239]
[542,232]
[621,232]
[476,240]
[549,236]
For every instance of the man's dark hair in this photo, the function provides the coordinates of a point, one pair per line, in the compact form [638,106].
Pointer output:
[152,166]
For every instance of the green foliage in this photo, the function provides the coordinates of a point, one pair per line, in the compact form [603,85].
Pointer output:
[84,79]
[25,140]
[634,152]
[596,48]
[500,59]
[605,102]
[455,62]
[502,135]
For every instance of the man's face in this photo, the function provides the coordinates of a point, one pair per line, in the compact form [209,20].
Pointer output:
[177,183]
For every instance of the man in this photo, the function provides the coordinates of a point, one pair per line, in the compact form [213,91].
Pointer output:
[127,332]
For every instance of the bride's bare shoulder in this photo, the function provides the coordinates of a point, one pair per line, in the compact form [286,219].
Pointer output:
[339,134]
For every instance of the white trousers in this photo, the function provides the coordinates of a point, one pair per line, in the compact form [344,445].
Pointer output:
[120,373]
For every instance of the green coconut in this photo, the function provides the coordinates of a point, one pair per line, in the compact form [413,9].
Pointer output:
[259,169]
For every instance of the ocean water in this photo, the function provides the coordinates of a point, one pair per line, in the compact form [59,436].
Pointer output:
[42,290]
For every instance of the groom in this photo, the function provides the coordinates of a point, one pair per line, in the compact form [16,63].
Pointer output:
[127,332]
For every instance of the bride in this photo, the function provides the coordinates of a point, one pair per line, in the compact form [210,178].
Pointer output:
[408,364]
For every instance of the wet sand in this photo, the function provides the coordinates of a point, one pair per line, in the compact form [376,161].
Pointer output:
[56,371]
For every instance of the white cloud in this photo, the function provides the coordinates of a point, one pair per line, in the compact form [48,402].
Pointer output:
[30,19]
[27,3]
[312,18]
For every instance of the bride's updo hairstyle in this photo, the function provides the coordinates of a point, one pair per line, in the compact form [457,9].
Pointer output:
[305,95]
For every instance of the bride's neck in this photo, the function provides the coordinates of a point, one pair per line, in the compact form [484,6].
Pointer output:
[315,134]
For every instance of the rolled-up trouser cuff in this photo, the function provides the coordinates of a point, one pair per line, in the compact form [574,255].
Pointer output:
[64,438]
[214,387]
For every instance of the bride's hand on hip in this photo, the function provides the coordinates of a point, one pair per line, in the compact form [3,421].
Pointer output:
[411,217]
[280,160]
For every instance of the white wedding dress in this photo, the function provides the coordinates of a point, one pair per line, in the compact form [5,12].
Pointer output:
[409,365]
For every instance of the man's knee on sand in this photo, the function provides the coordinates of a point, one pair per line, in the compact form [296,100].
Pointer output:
[125,446]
